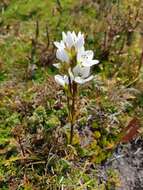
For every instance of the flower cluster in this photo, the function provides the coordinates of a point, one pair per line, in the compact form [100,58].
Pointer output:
[74,61]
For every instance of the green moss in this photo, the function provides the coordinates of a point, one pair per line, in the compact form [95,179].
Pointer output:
[13,120]
[17,24]
[97,134]
[95,125]
[52,121]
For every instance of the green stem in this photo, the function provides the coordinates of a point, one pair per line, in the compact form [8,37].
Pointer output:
[71,97]
[68,105]
[74,90]
[71,133]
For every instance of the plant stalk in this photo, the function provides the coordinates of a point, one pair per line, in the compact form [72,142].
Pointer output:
[73,92]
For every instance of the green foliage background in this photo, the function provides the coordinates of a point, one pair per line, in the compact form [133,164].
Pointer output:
[32,109]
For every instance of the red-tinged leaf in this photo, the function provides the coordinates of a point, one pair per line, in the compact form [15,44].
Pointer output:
[131,131]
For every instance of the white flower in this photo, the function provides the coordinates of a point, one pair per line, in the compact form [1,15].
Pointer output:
[79,41]
[80,74]
[85,58]
[59,45]
[75,61]
[68,39]
[71,40]
[80,80]
[62,55]
[57,65]
[62,80]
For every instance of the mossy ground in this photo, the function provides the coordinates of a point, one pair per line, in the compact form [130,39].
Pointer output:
[33,115]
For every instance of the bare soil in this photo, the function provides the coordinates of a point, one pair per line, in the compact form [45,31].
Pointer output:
[128,161]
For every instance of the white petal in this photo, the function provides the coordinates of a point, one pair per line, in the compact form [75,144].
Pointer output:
[83,56]
[79,54]
[62,55]
[81,71]
[74,36]
[89,63]
[76,70]
[79,80]
[85,72]
[89,78]
[64,36]
[89,54]
[79,41]
[59,45]
[69,40]
[82,81]
[79,44]
[57,65]
[95,61]
[80,35]
[62,80]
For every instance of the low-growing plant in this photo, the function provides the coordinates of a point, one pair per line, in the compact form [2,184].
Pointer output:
[74,67]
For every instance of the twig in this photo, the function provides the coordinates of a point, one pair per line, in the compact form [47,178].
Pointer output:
[116,158]
[21,147]
[132,82]
[47,36]
[138,150]
[59,5]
